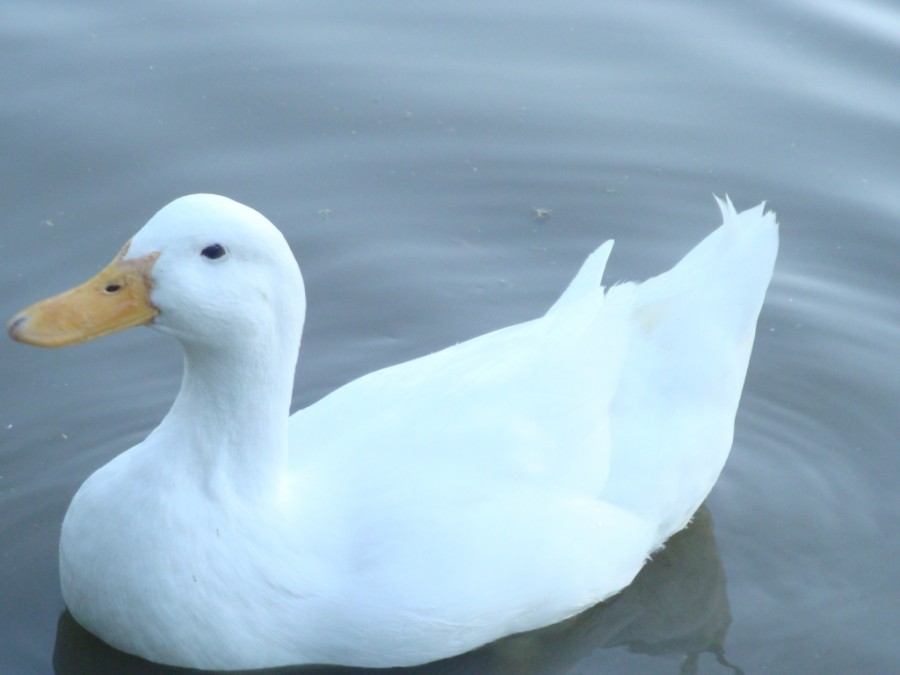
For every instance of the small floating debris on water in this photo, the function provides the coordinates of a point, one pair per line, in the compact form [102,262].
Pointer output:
[541,214]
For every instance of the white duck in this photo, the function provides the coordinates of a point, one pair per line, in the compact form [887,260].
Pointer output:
[497,486]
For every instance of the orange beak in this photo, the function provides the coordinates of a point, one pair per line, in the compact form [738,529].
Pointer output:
[117,298]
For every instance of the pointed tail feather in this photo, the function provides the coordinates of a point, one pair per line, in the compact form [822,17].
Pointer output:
[588,277]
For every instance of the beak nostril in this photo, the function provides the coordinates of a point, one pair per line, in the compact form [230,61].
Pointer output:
[112,288]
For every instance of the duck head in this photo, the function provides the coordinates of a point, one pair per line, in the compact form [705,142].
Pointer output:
[208,270]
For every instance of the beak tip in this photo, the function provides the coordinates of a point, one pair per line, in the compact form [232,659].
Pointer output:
[14,325]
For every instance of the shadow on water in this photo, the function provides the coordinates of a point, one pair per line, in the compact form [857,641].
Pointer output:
[676,607]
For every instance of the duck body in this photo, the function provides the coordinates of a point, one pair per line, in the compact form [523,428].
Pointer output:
[425,509]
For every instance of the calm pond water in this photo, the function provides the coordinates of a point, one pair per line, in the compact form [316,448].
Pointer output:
[441,170]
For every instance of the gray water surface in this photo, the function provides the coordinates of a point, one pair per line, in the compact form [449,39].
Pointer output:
[441,170]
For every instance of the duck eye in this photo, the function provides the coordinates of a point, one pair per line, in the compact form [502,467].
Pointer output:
[213,251]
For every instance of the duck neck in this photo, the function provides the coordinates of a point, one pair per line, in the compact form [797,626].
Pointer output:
[229,422]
